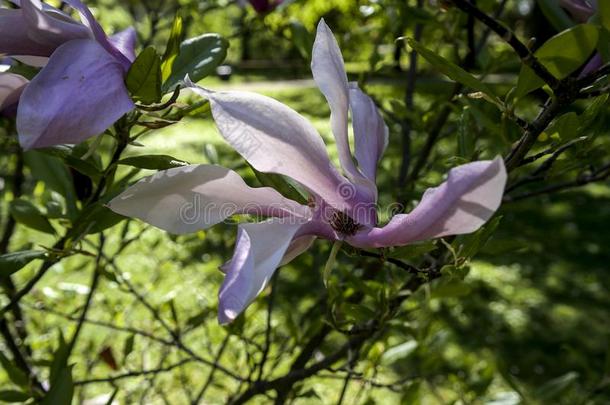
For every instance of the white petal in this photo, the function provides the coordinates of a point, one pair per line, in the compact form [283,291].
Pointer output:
[190,198]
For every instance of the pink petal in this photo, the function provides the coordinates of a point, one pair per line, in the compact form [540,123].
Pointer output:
[72,99]
[11,87]
[276,139]
[370,131]
[125,42]
[187,199]
[98,33]
[259,250]
[469,197]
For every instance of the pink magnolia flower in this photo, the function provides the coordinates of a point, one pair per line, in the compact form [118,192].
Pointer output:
[80,91]
[274,138]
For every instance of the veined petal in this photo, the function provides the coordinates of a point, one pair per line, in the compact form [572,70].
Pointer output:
[98,32]
[125,42]
[11,87]
[469,197]
[259,250]
[370,131]
[187,199]
[276,139]
[329,73]
[72,99]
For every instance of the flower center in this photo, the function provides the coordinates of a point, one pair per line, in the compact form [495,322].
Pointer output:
[344,224]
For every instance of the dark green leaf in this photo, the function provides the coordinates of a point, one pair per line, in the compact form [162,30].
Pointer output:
[96,219]
[128,346]
[466,135]
[144,77]
[454,72]
[198,57]
[24,212]
[603,11]
[14,396]
[473,243]
[561,55]
[279,183]
[555,14]
[414,251]
[12,262]
[411,394]
[173,48]
[67,154]
[302,39]
[54,173]
[62,388]
[554,388]
[153,162]
[16,376]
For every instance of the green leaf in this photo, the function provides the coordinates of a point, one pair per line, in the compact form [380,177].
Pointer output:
[279,183]
[128,346]
[558,18]
[153,162]
[413,251]
[454,72]
[12,262]
[554,388]
[14,396]
[173,48]
[466,135]
[399,352]
[302,39]
[16,376]
[62,388]
[24,212]
[603,11]
[96,219]
[67,154]
[473,243]
[330,263]
[561,55]
[144,77]
[198,57]
[54,173]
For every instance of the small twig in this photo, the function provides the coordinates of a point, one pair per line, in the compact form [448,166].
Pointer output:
[267,346]
[526,55]
[209,380]
[162,106]
[132,374]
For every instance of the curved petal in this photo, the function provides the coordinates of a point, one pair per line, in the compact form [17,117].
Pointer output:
[370,131]
[72,99]
[98,33]
[125,42]
[258,252]
[50,28]
[18,38]
[187,199]
[11,87]
[329,73]
[469,197]
[298,246]
[276,139]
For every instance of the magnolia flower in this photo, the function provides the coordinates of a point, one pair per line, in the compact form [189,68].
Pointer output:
[80,91]
[274,138]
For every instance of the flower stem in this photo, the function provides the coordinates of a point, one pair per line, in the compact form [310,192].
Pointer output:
[330,263]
